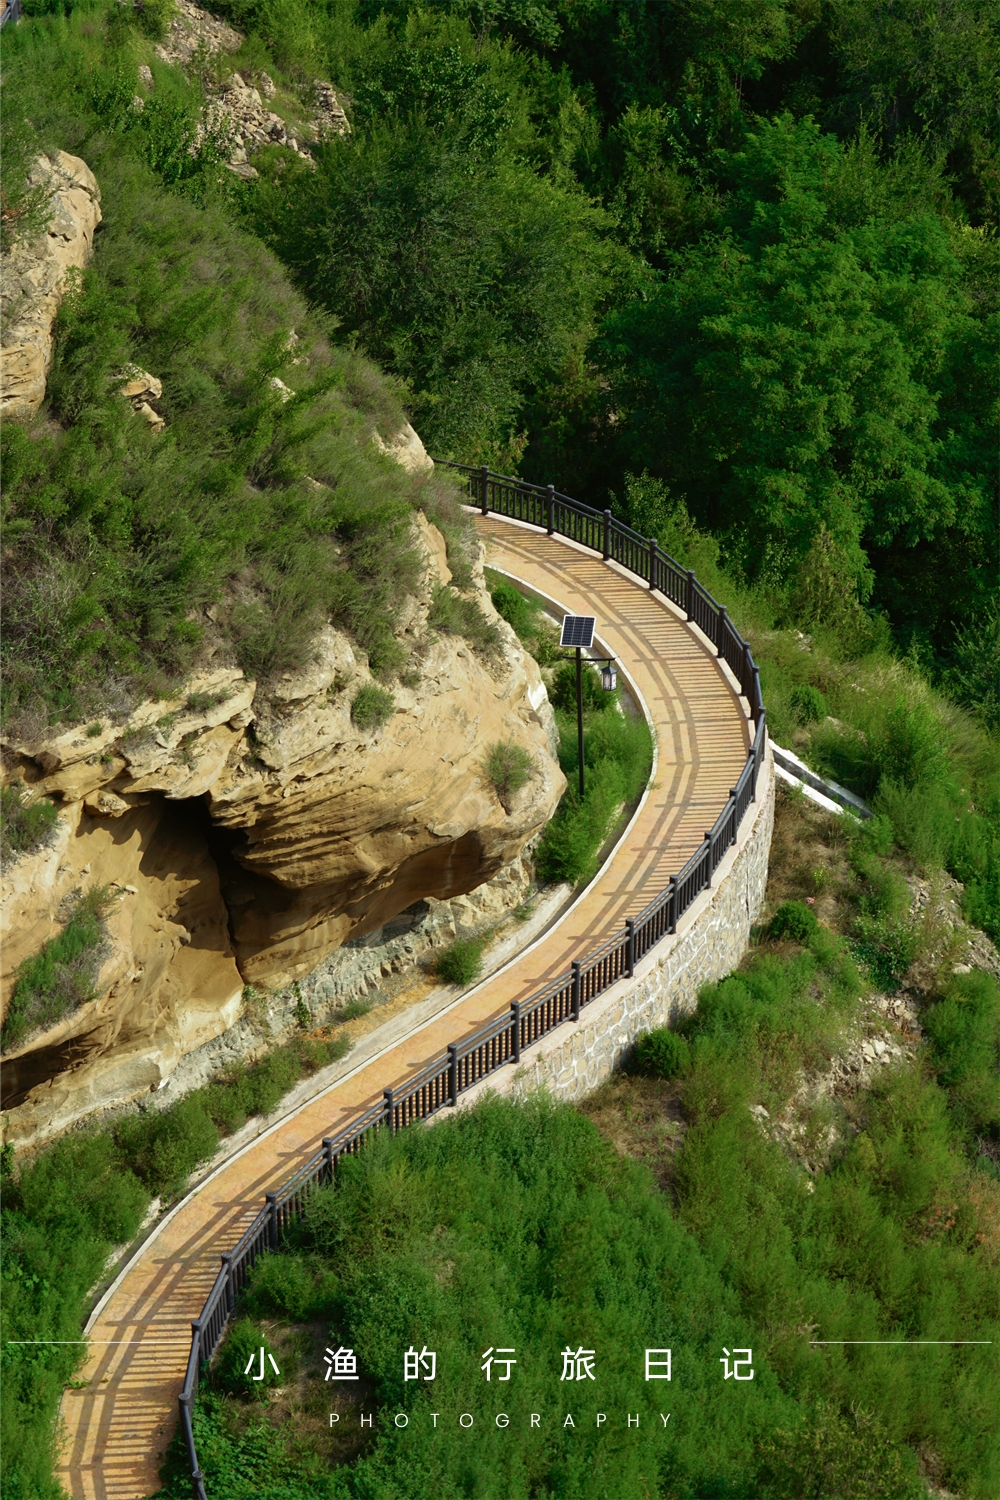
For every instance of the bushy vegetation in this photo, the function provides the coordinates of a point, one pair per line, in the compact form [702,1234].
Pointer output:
[275,513]
[508,767]
[526,617]
[855,710]
[61,975]
[163,1147]
[458,614]
[618,754]
[461,962]
[372,707]
[895,1240]
[66,1210]
[25,823]
[963,1029]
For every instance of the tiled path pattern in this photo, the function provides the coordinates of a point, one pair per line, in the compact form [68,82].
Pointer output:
[117,1428]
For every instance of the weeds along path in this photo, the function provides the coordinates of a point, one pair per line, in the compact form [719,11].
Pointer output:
[117,1427]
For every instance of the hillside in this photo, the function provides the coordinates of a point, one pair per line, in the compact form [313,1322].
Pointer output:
[272,732]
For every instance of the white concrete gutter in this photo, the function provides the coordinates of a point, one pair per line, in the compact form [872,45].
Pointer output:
[826,794]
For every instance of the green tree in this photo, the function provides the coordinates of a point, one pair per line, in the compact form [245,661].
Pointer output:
[806,372]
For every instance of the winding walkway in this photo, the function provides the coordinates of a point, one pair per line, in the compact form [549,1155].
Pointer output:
[117,1428]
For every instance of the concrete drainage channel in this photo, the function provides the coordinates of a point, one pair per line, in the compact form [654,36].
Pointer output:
[829,795]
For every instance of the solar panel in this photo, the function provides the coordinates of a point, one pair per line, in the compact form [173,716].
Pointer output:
[578,630]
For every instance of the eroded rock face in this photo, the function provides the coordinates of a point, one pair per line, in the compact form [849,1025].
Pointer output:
[237,116]
[191,29]
[34,278]
[407,449]
[249,837]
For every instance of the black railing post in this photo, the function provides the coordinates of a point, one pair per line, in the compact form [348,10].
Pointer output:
[607,535]
[722,625]
[390,1108]
[690,595]
[652,562]
[673,903]
[757,704]
[515,1027]
[453,1072]
[630,951]
[576,990]
[227,1261]
[708,860]
[328,1156]
[484,499]
[271,1199]
[550,509]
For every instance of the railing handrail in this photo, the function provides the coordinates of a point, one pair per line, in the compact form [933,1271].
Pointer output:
[466,1063]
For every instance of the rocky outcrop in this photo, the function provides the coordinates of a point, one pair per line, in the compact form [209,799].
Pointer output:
[250,835]
[141,389]
[192,30]
[239,120]
[35,275]
[236,117]
[407,449]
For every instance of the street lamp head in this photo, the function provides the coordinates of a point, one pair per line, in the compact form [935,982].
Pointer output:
[609,678]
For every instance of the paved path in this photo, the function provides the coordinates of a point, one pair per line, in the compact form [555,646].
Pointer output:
[118,1427]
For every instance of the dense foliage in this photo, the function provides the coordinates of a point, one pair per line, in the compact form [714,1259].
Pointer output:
[571,229]
[67,1209]
[61,975]
[518,1223]
[263,500]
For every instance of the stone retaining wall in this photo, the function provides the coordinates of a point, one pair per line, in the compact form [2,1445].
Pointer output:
[711,938]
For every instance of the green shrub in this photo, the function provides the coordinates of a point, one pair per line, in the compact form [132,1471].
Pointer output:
[458,614]
[163,1148]
[24,825]
[662,1053]
[508,767]
[963,1031]
[372,707]
[238,1361]
[618,756]
[809,703]
[795,920]
[896,736]
[303,1015]
[462,962]
[61,975]
[562,693]
[520,612]
[296,1287]
[200,703]
[353,1009]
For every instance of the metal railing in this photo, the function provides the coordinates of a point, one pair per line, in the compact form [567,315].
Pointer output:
[503,1039]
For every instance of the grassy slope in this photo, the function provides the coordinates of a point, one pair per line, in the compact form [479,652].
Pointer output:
[703,1230]
[118,541]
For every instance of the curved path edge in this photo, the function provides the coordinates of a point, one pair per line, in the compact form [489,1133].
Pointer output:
[117,1428]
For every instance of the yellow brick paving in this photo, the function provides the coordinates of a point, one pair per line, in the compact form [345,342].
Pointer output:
[117,1428]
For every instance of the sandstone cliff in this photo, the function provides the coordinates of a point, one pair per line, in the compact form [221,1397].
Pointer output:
[35,275]
[250,834]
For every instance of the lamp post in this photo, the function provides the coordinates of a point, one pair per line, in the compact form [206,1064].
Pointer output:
[579,715]
[578,632]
